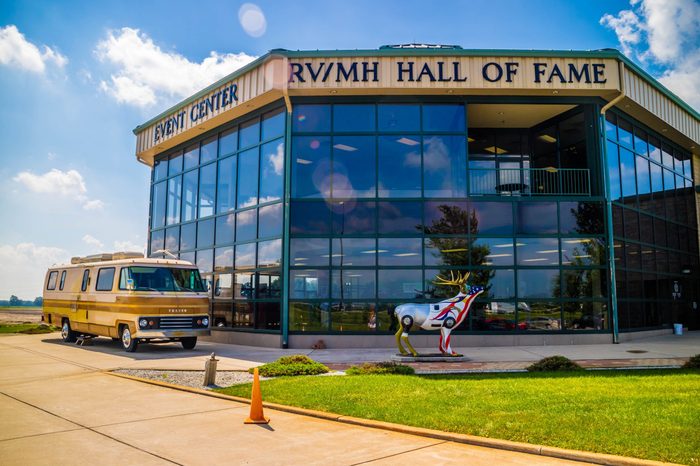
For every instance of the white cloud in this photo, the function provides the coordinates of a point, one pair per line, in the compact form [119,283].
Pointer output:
[666,34]
[129,246]
[145,74]
[93,242]
[69,184]
[24,266]
[18,52]
[252,19]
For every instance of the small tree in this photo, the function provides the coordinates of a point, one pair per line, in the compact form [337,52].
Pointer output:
[38,301]
[15,301]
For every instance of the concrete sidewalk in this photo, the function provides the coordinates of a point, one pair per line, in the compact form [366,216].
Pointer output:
[59,407]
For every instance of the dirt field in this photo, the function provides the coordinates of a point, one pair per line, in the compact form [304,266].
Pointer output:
[14,315]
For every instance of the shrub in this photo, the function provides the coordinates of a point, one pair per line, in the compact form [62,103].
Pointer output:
[380,368]
[693,362]
[297,364]
[554,363]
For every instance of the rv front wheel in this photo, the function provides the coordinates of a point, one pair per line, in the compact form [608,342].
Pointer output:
[67,334]
[128,343]
[189,342]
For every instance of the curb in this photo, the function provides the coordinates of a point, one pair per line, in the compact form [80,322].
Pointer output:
[521,447]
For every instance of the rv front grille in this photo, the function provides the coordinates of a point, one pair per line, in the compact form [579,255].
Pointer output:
[176,322]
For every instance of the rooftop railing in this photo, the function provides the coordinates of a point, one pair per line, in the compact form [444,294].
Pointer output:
[530,181]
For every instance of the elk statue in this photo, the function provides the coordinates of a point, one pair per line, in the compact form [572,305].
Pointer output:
[445,315]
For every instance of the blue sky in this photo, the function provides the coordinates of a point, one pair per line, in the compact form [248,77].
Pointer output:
[77,77]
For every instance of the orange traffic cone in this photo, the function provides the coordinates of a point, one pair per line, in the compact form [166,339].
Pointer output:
[256,407]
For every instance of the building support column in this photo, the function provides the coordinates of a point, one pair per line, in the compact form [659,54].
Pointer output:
[284,310]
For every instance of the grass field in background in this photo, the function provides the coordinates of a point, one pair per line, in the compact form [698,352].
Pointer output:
[27,328]
[644,414]
[19,308]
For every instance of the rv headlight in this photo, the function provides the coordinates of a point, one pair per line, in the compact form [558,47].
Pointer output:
[143,323]
[205,322]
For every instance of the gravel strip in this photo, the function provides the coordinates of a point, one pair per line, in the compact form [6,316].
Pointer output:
[192,379]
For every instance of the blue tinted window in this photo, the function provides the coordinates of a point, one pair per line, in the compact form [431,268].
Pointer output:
[249,133]
[158,205]
[352,117]
[614,171]
[225,227]
[310,218]
[654,149]
[352,217]
[624,132]
[160,169]
[538,283]
[640,141]
[535,218]
[353,284]
[642,175]
[309,283]
[537,251]
[247,178]
[311,118]
[309,251]
[346,252]
[175,164]
[311,163]
[444,166]
[205,260]
[270,221]
[205,233]
[610,127]
[172,239]
[245,256]
[443,117]
[273,124]
[657,181]
[399,166]
[226,197]
[174,193]
[246,225]
[498,284]
[188,236]
[223,262]
[400,251]
[157,238]
[189,195]
[399,117]
[590,251]
[581,217]
[445,218]
[627,174]
[207,190]
[228,142]
[491,218]
[452,251]
[209,149]
[270,253]
[492,251]
[405,284]
[191,156]
[271,171]
[354,162]
[400,217]
[187,256]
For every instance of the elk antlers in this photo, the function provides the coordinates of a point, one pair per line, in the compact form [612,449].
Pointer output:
[460,281]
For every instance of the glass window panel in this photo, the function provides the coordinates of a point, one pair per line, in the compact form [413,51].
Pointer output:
[271,171]
[633,258]
[539,315]
[249,133]
[624,132]
[646,228]
[267,316]
[572,142]
[400,217]
[243,314]
[223,291]
[311,118]
[537,251]
[187,256]
[309,251]
[444,166]
[228,142]
[174,200]
[188,236]
[190,181]
[354,252]
[585,316]
[537,218]
[610,126]
[583,251]
[493,316]
[310,218]
[246,225]
[400,166]
[627,174]
[399,117]
[353,118]
[270,253]
[538,283]
[643,183]
[497,283]
[270,221]
[544,153]
[160,169]
[354,166]
[400,284]
[225,228]
[631,219]
[654,149]
[245,256]
[400,251]
[588,283]
[491,218]
[205,233]
[667,156]
[353,317]
[207,190]
[158,204]
[223,259]
[205,260]
[311,162]
[581,218]
[175,164]
[614,171]
[105,280]
[353,284]
[157,239]
[492,251]
[445,218]
[656,174]
[453,251]
[247,178]
[172,239]
[273,124]
[659,232]
[244,285]
[444,117]
[308,283]
[191,156]
[210,149]
[309,317]
[353,217]
[268,284]
[226,197]
[640,142]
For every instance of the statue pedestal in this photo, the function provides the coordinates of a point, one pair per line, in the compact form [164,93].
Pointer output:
[428,357]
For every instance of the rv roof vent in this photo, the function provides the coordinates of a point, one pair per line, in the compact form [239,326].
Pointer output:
[106,257]
[420,46]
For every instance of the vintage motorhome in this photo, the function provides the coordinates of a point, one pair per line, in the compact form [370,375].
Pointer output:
[128,298]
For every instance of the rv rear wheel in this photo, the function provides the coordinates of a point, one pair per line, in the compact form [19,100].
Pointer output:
[189,342]
[68,335]
[128,343]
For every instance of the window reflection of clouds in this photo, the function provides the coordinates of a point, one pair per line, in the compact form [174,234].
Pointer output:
[399,251]
[245,256]
[270,253]
[309,251]
[223,259]
[399,166]
[354,166]
[354,252]
[399,217]
[353,217]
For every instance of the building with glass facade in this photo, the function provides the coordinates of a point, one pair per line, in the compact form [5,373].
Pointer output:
[318,190]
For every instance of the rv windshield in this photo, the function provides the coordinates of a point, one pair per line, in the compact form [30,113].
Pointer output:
[162,279]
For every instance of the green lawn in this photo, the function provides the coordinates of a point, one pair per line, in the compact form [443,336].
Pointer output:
[27,328]
[20,308]
[643,414]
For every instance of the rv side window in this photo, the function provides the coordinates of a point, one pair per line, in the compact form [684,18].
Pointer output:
[63,280]
[52,280]
[123,277]
[86,280]
[105,279]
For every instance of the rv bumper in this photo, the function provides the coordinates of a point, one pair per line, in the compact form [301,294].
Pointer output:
[184,333]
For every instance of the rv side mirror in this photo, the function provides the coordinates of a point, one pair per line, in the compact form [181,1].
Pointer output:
[130,284]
